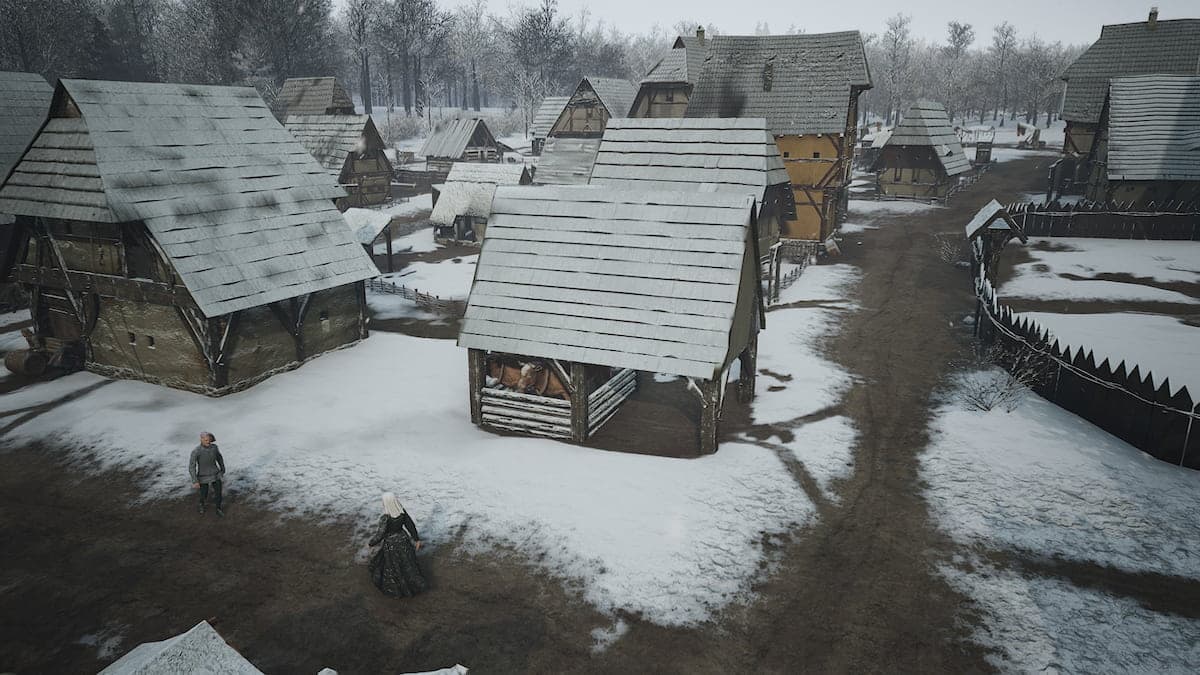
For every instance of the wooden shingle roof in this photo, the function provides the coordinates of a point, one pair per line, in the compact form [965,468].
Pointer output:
[801,84]
[566,161]
[1128,49]
[312,96]
[707,155]
[242,211]
[1154,128]
[547,114]
[331,138]
[452,138]
[617,95]
[681,64]
[623,278]
[24,102]
[469,188]
[926,124]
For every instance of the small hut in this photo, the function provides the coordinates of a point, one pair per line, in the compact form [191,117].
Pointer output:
[665,90]
[989,230]
[1147,150]
[460,140]
[579,289]
[312,96]
[595,101]
[566,161]
[922,158]
[350,147]
[702,155]
[547,114]
[178,234]
[463,204]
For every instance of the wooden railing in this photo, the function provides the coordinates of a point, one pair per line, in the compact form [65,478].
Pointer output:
[443,306]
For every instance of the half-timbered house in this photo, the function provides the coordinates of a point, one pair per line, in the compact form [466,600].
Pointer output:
[593,285]
[178,234]
[1147,150]
[807,87]
[460,140]
[544,119]
[594,102]
[665,90]
[312,96]
[923,157]
[463,204]
[351,148]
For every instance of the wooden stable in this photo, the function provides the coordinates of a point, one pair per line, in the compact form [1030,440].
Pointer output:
[703,155]
[1141,48]
[178,234]
[807,87]
[594,102]
[463,204]
[1147,151]
[350,146]
[593,285]
[543,120]
[460,140]
[312,96]
[666,89]
[922,158]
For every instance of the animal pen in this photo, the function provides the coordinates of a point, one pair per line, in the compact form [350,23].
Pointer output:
[577,290]
[178,234]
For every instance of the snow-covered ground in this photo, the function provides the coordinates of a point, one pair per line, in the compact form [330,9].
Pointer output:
[1164,261]
[1041,481]
[450,279]
[420,241]
[1163,345]
[865,206]
[1010,154]
[671,539]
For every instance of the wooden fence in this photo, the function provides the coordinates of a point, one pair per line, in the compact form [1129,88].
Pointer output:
[1121,400]
[551,417]
[451,308]
[604,402]
[1170,221]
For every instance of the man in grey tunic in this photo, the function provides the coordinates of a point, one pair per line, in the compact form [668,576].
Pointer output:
[207,468]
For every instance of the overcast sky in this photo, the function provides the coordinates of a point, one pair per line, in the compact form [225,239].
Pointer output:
[1071,21]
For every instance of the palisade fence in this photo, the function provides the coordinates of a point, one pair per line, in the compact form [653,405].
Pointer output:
[1111,220]
[1123,401]
[451,308]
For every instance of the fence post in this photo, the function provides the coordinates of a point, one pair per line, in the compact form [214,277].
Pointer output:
[1187,437]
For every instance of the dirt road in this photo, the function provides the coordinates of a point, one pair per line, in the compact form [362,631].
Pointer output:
[854,593]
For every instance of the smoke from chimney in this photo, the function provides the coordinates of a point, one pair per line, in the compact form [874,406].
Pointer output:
[1153,21]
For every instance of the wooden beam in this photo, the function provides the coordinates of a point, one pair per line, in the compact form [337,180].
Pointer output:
[363,317]
[136,290]
[748,362]
[67,287]
[710,416]
[475,375]
[579,403]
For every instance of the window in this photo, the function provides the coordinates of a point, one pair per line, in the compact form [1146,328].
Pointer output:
[670,96]
[132,339]
[816,155]
[324,315]
[787,154]
[150,341]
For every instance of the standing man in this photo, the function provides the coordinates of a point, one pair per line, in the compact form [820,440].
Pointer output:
[207,467]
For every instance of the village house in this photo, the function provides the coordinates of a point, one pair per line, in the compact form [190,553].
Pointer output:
[312,96]
[545,117]
[24,101]
[1142,48]
[702,155]
[807,87]
[1147,148]
[178,234]
[666,89]
[460,140]
[922,157]
[463,204]
[594,102]
[577,290]
[350,146]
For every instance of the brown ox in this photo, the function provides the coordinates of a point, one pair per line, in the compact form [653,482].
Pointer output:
[528,378]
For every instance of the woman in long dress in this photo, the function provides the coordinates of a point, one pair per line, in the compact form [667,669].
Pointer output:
[394,564]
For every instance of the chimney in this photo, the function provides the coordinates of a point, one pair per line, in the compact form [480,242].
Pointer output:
[700,34]
[1153,20]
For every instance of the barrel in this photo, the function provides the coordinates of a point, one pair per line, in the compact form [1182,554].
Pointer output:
[26,362]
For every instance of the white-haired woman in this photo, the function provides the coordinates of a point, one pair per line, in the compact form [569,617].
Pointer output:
[394,564]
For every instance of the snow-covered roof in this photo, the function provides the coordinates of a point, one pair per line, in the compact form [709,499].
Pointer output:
[992,216]
[243,212]
[366,224]
[681,64]
[566,161]
[811,77]
[312,96]
[648,280]
[927,125]
[24,102]
[547,114]
[200,650]
[1128,49]
[689,154]
[462,199]
[880,138]
[617,95]
[451,139]
[330,138]
[1154,128]
[496,173]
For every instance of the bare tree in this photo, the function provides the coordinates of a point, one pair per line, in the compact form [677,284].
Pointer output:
[1004,42]
[897,46]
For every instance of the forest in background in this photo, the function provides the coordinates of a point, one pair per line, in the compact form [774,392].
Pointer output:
[413,56]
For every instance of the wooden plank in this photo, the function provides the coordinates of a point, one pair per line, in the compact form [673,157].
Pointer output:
[579,403]
[616,327]
[724,292]
[606,300]
[529,398]
[491,409]
[721,271]
[514,426]
[681,224]
[647,346]
[601,356]
[639,240]
[660,318]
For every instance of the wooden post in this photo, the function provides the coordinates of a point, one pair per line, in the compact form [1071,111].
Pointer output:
[390,266]
[363,314]
[748,362]
[711,414]
[579,403]
[475,364]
